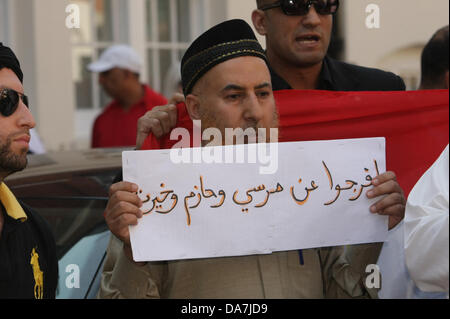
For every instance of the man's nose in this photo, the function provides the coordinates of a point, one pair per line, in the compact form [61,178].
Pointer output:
[253,109]
[312,18]
[25,118]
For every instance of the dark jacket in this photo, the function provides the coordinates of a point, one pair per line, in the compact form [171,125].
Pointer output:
[340,76]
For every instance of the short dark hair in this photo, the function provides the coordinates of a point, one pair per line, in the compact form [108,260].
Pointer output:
[435,59]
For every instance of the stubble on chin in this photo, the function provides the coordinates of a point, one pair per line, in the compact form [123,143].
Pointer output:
[11,162]
[210,120]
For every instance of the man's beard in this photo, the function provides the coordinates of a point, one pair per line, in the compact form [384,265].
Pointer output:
[210,120]
[10,162]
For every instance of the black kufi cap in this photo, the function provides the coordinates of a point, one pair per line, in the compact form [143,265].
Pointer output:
[225,41]
[9,60]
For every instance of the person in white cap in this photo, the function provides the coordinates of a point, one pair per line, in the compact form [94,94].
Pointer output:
[119,71]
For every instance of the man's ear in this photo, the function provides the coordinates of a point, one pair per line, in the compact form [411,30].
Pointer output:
[193,106]
[259,21]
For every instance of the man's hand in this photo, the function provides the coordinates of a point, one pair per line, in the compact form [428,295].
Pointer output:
[123,210]
[393,204]
[159,121]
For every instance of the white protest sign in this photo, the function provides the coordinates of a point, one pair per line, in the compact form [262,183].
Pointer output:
[317,198]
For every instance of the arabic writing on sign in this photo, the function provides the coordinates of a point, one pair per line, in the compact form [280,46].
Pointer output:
[216,200]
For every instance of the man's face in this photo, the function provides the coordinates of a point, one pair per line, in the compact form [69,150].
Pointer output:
[235,94]
[112,81]
[14,129]
[300,41]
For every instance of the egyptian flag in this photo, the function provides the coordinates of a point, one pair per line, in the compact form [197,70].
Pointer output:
[415,124]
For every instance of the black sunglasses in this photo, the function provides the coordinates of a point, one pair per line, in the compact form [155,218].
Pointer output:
[301,7]
[9,101]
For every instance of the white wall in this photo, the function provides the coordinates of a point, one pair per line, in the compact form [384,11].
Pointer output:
[242,9]
[4,22]
[404,24]
[41,41]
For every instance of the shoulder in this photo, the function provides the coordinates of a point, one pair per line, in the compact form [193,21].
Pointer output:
[39,223]
[357,78]
[42,229]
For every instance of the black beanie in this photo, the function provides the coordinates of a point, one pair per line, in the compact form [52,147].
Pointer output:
[9,60]
[225,41]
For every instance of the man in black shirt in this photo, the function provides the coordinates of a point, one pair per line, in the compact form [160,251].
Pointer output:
[298,34]
[28,262]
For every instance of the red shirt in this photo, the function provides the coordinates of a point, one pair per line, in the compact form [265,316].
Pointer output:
[117,127]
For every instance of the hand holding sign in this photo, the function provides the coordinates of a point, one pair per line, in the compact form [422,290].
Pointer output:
[394,202]
[122,211]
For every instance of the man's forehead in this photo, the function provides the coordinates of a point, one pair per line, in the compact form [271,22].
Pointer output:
[255,86]
[236,71]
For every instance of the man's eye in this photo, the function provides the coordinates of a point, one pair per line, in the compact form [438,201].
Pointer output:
[263,94]
[233,97]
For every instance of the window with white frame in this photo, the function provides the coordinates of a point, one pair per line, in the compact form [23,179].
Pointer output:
[4,22]
[171,25]
[159,30]
[102,23]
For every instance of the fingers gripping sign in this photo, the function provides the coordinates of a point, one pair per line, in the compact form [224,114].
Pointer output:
[393,200]
[122,211]
[159,121]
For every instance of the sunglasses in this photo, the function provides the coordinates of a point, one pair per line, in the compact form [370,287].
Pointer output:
[301,7]
[9,101]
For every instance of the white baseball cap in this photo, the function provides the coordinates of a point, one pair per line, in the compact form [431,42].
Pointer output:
[118,56]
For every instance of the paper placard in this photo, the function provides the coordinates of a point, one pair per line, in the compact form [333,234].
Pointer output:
[315,198]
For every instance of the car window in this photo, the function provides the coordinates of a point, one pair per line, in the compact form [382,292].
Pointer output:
[81,267]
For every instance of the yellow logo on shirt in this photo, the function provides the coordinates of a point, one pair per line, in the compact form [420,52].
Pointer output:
[38,275]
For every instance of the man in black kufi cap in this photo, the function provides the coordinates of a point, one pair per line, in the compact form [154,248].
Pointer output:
[28,262]
[226,82]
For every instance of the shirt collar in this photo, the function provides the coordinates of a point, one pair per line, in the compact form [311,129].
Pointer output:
[325,79]
[12,206]
[278,83]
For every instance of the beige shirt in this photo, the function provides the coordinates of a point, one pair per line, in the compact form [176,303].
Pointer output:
[325,273]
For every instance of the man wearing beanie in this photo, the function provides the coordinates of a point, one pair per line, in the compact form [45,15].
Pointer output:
[28,262]
[226,82]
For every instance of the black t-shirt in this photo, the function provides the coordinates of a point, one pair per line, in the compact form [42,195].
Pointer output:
[339,76]
[28,262]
